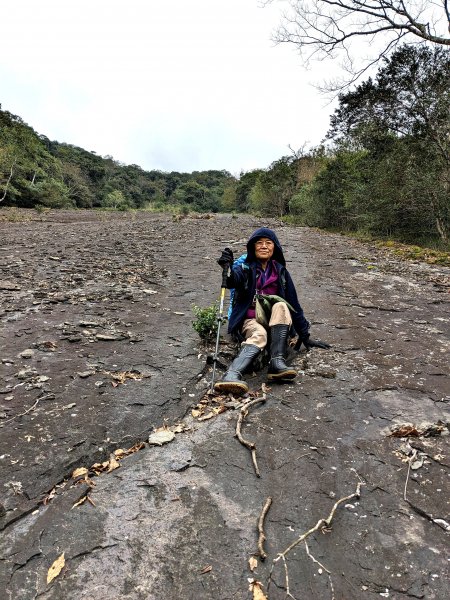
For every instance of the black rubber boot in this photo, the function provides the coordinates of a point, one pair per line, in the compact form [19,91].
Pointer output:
[278,368]
[232,380]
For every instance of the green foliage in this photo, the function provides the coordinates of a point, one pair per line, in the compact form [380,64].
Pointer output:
[205,323]
[401,120]
[35,170]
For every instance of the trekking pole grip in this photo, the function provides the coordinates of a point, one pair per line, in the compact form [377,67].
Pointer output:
[224,276]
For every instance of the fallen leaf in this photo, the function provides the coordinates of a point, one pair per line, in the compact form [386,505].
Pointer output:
[206,570]
[160,437]
[416,464]
[405,431]
[113,464]
[80,472]
[50,497]
[121,453]
[196,413]
[80,501]
[179,428]
[252,563]
[207,417]
[56,568]
[256,588]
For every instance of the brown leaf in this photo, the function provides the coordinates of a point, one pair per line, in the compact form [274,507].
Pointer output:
[405,431]
[113,464]
[252,563]
[208,416]
[256,588]
[80,472]
[56,568]
[50,497]
[179,428]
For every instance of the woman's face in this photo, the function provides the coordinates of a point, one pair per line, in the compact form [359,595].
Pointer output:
[264,249]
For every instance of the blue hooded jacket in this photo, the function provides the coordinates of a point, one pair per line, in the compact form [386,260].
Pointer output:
[243,279]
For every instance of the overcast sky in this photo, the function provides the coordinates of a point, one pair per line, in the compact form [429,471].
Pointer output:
[166,84]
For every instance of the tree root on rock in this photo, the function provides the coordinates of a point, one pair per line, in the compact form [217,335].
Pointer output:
[322,525]
[243,413]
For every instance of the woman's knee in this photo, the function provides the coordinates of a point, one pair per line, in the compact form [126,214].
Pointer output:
[280,314]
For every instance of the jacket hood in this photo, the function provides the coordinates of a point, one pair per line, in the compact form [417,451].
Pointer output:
[271,235]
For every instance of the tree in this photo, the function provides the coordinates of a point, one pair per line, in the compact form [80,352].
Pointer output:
[279,182]
[404,112]
[115,199]
[332,29]
[244,186]
[229,196]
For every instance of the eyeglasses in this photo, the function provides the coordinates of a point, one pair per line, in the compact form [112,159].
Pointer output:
[261,243]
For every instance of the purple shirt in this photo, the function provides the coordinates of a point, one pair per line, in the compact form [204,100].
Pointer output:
[266,283]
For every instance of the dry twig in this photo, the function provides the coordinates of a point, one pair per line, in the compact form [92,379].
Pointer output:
[21,414]
[262,536]
[250,445]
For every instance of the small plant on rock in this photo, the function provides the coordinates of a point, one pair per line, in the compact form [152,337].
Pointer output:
[205,323]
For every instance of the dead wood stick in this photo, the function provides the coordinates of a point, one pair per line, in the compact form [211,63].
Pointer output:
[21,414]
[262,538]
[250,445]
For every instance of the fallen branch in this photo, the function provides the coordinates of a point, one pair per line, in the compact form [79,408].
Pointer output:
[250,445]
[262,538]
[41,398]
[322,524]
[21,414]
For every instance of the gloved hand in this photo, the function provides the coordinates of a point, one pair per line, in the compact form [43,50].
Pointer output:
[308,342]
[226,259]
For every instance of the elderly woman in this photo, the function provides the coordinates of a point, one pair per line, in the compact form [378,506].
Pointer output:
[263,273]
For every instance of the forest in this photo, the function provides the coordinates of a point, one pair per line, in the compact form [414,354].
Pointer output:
[383,169]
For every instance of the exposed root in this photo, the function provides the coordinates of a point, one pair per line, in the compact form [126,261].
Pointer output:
[410,461]
[322,567]
[250,445]
[322,525]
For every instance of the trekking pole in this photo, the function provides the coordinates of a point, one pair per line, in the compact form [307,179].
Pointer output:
[220,318]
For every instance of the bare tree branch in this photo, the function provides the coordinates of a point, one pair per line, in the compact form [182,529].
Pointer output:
[322,29]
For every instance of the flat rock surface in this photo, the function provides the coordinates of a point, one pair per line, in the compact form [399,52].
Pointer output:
[97,352]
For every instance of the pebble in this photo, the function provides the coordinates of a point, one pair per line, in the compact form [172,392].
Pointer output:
[28,353]
[25,373]
[85,374]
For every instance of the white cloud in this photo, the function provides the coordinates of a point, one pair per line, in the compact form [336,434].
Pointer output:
[165,84]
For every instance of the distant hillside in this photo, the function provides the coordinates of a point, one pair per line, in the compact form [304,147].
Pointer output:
[37,171]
